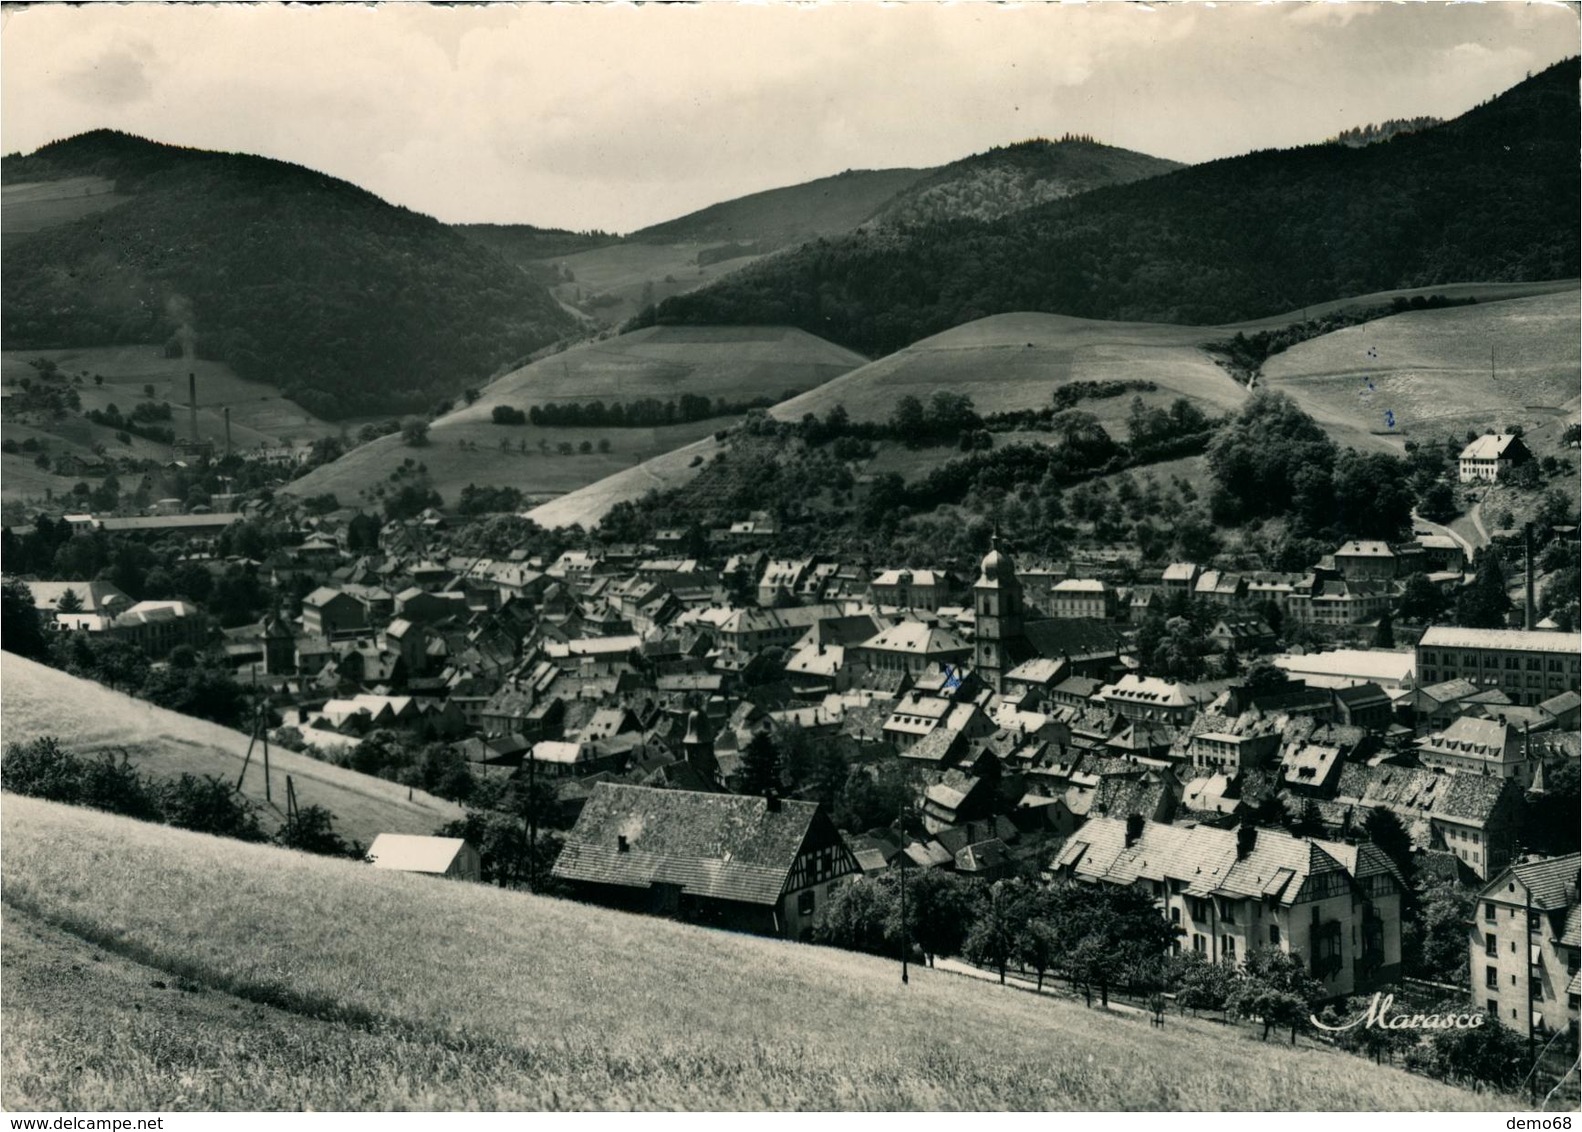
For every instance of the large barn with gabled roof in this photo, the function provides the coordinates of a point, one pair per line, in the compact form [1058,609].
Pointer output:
[742,862]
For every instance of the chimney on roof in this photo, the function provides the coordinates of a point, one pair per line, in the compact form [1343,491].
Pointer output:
[1527,545]
[192,405]
[621,845]
[772,802]
[1246,839]
[1134,829]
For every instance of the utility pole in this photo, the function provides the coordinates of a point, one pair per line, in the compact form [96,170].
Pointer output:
[905,942]
[900,862]
[532,821]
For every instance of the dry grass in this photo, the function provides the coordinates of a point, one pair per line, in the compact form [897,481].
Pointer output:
[411,991]
[624,271]
[32,206]
[85,716]
[735,362]
[259,415]
[1431,368]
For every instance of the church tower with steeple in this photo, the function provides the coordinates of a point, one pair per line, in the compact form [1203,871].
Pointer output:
[997,606]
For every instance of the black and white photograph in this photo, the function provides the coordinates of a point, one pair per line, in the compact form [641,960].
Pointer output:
[769,557]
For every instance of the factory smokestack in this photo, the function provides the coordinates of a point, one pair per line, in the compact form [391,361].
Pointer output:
[227,432]
[192,405]
[1527,545]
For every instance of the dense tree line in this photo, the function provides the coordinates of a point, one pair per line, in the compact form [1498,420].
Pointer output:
[1489,196]
[42,768]
[649,412]
[350,305]
[1272,459]
[1247,352]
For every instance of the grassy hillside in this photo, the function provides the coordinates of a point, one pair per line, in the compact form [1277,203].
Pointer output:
[737,363]
[259,414]
[1491,195]
[613,283]
[825,207]
[1432,369]
[380,990]
[348,304]
[166,744]
[1010,178]
[34,206]
[1016,361]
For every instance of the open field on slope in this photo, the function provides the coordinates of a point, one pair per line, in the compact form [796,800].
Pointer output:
[259,415]
[624,273]
[1016,361]
[37,700]
[479,997]
[1432,369]
[737,363]
[30,207]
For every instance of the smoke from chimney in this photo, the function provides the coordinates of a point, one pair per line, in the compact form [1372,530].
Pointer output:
[1527,545]
[227,432]
[192,405]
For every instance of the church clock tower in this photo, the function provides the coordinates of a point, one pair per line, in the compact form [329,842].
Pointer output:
[997,604]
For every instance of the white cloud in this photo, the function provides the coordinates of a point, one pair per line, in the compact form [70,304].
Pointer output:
[617,116]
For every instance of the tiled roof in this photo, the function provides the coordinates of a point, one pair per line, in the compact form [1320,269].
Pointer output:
[1276,867]
[724,846]
[1527,640]
[1549,881]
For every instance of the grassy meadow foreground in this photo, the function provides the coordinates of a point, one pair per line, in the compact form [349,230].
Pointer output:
[147,967]
[87,717]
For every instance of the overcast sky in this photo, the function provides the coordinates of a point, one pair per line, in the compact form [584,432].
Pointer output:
[617,116]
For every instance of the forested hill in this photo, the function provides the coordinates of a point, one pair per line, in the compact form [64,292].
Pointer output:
[774,218]
[1491,195]
[1009,178]
[350,305]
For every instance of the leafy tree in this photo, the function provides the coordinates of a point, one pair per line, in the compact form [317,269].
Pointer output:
[1484,604]
[1551,825]
[991,941]
[1385,830]
[1487,1055]
[1438,503]
[210,805]
[907,421]
[1258,458]
[42,768]
[114,784]
[20,629]
[415,434]
[313,831]
[1276,989]
[1434,929]
[760,766]
[939,906]
[1377,1042]
[1200,984]
[1384,633]
[858,917]
[1422,600]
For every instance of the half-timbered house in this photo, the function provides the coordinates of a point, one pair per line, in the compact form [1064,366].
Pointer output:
[746,863]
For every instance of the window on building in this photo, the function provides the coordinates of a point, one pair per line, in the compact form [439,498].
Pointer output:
[1488,912]
[1494,1008]
[1535,921]
[1491,946]
[804,903]
[1274,935]
[1491,978]
[1230,946]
